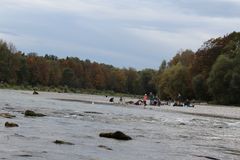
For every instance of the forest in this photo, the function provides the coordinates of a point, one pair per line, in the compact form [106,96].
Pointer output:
[211,74]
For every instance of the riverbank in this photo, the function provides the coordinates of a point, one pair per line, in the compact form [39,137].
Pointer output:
[64,89]
[218,111]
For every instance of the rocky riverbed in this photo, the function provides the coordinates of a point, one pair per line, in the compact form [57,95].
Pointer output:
[71,128]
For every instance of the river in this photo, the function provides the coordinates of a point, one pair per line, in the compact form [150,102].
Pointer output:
[156,134]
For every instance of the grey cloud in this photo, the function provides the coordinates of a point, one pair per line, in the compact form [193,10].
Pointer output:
[210,8]
[8,33]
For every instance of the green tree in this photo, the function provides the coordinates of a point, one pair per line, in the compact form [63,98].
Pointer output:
[4,58]
[199,86]
[173,81]
[219,78]
[162,67]
[9,63]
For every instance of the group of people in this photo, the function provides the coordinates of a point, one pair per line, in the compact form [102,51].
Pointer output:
[181,102]
[155,101]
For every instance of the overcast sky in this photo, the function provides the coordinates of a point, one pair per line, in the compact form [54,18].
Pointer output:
[124,33]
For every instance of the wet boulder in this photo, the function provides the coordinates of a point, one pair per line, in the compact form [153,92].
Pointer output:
[30,113]
[11,124]
[62,142]
[116,135]
[111,99]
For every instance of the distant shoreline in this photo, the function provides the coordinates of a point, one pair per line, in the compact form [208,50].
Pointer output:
[215,111]
[65,89]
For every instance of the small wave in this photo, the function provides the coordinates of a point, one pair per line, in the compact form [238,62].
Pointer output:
[234,124]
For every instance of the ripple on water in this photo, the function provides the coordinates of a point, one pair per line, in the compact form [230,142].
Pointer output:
[235,124]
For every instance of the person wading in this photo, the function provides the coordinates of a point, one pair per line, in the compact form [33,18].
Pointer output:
[145,100]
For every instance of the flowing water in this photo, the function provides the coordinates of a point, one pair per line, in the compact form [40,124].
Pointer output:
[157,135]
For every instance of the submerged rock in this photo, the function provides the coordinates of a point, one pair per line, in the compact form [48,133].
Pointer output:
[116,135]
[62,142]
[207,157]
[105,147]
[33,114]
[10,124]
[182,124]
[7,115]
[92,112]
[25,155]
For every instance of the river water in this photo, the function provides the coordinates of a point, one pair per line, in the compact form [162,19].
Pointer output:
[157,135]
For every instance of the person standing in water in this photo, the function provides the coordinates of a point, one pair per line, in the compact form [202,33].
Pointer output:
[145,100]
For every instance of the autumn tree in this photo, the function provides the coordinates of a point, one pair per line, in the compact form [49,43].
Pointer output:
[185,57]
[55,74]
[68,77]
[133,85]
[118,80]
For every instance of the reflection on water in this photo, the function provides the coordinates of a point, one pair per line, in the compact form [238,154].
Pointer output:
[156,134]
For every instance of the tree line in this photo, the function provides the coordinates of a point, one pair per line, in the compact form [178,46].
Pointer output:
[212,73]
[18,68]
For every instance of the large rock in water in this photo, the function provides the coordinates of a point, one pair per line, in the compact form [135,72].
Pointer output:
[33,114]
[10,124]
[116,135]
